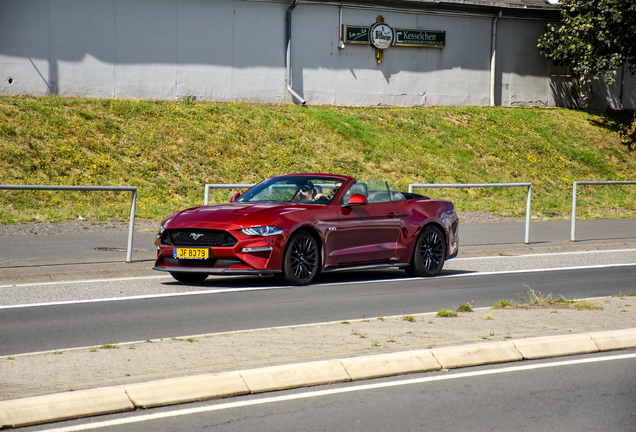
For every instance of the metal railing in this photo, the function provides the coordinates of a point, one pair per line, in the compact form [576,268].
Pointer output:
[485,185]
[574,186]
[133,203]
[206,198]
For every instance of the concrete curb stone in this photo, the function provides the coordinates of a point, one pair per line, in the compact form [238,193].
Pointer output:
[478,354]
[186,389]
[554,346]
[390,364]
[614,339]
[295,375]
[529,250]
[63,406]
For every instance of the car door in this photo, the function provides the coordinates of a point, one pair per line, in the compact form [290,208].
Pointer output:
[367,233]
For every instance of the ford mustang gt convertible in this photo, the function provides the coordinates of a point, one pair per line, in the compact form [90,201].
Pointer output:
[296,226]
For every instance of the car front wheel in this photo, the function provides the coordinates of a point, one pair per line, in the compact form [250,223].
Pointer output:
[301,261]
[429,253]
[189,277]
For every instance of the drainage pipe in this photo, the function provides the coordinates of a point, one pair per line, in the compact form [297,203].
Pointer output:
[288,56]
[493,56]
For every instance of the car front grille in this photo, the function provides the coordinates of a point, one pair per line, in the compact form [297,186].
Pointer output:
[209,263]
[197,237]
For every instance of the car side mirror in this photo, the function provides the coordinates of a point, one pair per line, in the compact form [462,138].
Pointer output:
[357,200]
[235,197]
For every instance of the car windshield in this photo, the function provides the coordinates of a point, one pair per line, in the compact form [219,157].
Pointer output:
[301,189]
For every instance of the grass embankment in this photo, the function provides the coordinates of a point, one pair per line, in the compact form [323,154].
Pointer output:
[171,149]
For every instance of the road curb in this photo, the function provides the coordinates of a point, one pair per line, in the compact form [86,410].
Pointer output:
[530,249]
[64,406]
[295,375]
[477,354]
[614,339]
[555,346]
[186,389]
[390,364]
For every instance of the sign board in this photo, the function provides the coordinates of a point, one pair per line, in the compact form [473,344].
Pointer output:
[355,34]
[381,35]
[402,37]
[420,38]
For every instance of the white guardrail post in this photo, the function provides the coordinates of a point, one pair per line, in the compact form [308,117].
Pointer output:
[206,198]
[133,204]
[486,185]
[574,187]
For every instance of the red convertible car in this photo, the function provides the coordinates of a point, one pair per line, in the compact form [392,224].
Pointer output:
[296,226]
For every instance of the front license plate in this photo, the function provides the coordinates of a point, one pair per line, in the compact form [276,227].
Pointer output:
[191,253]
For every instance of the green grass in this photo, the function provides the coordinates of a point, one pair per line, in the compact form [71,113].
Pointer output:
[446,313]
[500,304]
[109,345]
[170,150]
[464,308]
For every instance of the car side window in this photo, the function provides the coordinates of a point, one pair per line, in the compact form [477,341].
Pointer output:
[381,191]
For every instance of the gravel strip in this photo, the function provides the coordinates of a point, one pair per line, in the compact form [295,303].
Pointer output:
[75,227]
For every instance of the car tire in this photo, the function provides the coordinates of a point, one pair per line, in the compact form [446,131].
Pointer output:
[429,253]
[189,277]
[301,262]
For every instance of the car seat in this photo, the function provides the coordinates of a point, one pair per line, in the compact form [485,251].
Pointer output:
[360,188]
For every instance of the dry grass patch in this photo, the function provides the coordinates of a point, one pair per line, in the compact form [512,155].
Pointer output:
[533,298]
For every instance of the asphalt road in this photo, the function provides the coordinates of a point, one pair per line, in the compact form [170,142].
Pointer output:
[579,393]
[161,308]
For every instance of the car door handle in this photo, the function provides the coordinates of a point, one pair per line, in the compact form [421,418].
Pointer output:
[392,214]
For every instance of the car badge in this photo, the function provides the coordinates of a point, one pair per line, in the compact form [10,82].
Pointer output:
[196,236]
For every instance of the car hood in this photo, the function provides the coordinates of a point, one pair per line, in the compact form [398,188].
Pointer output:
[233,215]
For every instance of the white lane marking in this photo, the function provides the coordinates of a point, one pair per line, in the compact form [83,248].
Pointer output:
[547,269]
[233,290]
[143,297]
[321,393]
[478,273]
[543,254]
[85,281]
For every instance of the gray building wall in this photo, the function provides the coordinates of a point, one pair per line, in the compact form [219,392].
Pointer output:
[231,50]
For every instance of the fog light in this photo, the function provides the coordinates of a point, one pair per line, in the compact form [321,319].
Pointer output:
[257,249]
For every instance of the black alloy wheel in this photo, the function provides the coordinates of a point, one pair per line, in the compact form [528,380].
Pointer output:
[429,253]
[301,260]
[189,277]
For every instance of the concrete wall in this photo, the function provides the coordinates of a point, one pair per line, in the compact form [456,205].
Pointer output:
[228,50]
[152,49]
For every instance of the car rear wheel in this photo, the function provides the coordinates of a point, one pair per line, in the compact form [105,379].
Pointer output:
[189,277]
[301,260]
[429,253]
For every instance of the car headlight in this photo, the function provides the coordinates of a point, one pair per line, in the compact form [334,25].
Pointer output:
[263,231]
[166,221]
